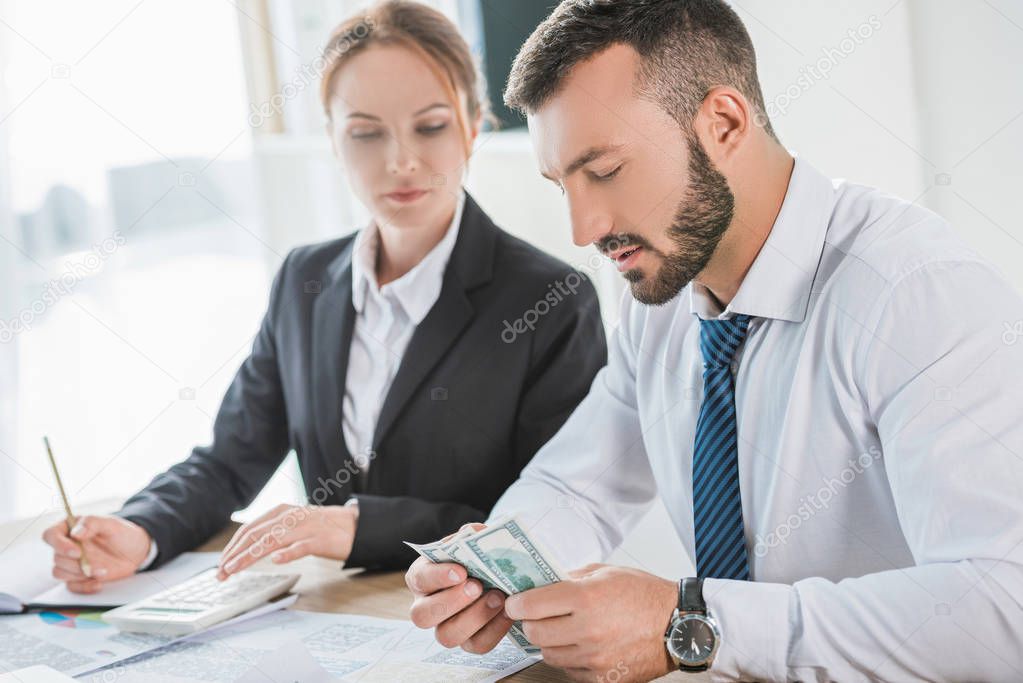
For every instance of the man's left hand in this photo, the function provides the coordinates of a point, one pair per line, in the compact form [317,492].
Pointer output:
[605,623]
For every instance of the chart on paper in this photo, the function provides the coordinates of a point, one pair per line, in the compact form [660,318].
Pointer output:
[333,647]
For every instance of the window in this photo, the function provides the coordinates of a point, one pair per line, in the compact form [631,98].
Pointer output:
[137,266]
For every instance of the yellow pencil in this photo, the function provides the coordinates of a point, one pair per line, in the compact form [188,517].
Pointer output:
[83,561]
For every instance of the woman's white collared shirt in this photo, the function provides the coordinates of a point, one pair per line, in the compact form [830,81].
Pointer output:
[385,318]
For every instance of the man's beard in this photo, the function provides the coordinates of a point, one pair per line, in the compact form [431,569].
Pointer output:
[701,219]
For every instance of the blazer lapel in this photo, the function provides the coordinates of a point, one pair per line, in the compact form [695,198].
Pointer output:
[432,338]
[470,265]
[333,323]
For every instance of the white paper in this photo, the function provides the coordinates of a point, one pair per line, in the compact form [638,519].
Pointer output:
[348,647]
[132,588]
[35,674]
[25,579]
[79,641]
[24,573]
[289,663]
[69,641]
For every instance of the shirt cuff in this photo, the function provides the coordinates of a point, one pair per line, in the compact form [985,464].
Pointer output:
[153,550]
[754,622]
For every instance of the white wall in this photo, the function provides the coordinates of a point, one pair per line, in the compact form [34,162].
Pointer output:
[8,349]
[971,92]
[8,359]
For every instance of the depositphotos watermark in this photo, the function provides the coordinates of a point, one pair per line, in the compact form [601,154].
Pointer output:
[811,74]
[295,514]
[54,290]
[617,673]
[358,463]
[308,74]
[112,672]
[815,502]
[557,292]
[1013,333]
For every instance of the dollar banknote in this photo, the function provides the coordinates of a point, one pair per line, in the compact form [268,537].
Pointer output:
[501,556]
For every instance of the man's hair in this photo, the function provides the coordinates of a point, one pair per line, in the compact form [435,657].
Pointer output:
[687,47]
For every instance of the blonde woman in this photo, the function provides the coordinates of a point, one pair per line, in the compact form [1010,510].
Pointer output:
[415,366]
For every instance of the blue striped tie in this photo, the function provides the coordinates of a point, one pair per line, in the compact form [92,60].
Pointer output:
[717,505]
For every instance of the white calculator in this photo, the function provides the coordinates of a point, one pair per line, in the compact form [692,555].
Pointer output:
[199,602]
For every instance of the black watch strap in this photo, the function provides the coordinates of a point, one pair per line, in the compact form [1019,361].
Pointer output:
[690,601]
[690,596]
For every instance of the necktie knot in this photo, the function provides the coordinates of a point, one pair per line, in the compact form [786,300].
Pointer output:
[720,339]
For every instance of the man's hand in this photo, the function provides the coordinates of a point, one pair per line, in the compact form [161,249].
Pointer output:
[114,547]
[289,532]
[603,620]
[447,600]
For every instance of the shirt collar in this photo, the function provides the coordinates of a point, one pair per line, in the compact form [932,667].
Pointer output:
[417,290]
[779,282]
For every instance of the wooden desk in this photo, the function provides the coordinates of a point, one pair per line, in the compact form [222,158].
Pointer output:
[323,587]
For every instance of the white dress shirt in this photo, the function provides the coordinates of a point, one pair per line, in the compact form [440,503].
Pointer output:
[385,318]
[880,447]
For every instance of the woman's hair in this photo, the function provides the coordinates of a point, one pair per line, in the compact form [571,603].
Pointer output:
[424,31]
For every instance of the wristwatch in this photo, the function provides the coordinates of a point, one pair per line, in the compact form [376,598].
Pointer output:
[693,636]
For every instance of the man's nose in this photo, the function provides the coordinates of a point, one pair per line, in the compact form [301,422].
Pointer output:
[590,221]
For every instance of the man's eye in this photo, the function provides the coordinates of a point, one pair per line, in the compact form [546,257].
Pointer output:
[608,175]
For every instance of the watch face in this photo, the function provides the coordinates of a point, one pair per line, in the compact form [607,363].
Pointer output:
[693,640]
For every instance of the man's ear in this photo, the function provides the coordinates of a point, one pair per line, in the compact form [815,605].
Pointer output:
[723,122]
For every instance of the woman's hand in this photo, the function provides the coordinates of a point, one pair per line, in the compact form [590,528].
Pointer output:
[113,546]
[289,532]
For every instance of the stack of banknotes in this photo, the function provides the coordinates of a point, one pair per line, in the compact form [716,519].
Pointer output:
[502,556]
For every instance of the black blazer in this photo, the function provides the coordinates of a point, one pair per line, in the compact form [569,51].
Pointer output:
[476,395]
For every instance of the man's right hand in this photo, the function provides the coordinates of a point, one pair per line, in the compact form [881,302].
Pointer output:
[447,600]
[114,547]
